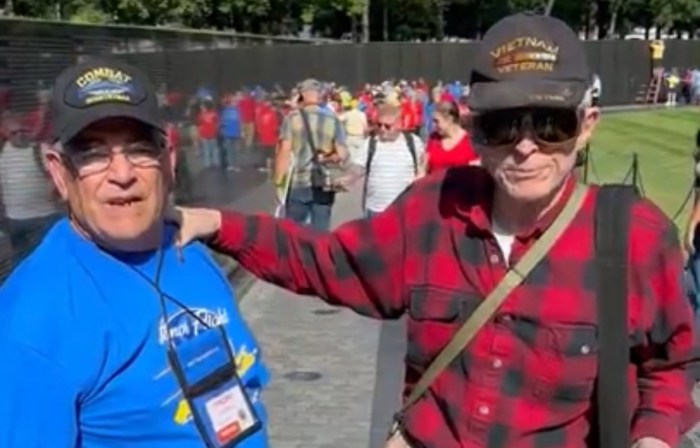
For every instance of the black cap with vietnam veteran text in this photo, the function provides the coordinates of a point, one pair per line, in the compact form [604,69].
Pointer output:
[528,60]
[98,89]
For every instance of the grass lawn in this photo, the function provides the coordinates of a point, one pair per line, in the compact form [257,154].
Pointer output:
[664,141]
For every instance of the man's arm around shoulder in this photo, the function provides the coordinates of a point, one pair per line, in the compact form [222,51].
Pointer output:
[359,265]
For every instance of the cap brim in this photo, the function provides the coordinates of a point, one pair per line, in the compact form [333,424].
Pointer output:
[95,114]
[488,96]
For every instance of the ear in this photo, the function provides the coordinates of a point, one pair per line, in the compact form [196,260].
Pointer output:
[591,117]
[54,164]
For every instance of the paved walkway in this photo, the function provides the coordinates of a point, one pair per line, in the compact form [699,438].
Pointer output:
[323,362]
[336,376]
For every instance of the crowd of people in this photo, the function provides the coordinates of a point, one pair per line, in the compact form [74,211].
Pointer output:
[241,129]
[227,131]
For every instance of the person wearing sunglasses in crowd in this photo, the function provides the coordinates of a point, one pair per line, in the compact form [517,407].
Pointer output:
[388,161]
[110,336]
[450,144]
[528,375]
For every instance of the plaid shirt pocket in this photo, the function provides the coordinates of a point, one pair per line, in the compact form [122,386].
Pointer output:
[568,360]
[434,316]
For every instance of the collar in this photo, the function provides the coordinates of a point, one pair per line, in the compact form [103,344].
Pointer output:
[475,204]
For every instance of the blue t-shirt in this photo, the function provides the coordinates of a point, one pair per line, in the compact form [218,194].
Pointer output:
[230,122]
[83,345]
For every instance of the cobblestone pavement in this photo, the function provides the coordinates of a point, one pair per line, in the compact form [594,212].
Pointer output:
[335,380]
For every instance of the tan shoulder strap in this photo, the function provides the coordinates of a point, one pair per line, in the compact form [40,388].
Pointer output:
[488,307]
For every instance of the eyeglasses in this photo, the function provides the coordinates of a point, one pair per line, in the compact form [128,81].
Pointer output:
[385,126]
[87,160]
[508,127]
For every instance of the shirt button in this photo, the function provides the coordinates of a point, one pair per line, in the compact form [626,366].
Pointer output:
[497,363]
[484,410]
[585,349]
[494,259]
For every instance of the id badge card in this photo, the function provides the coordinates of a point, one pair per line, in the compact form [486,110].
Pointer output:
[221,409]
[227,414]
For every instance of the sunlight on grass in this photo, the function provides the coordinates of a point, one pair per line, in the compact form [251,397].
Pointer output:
[664,142]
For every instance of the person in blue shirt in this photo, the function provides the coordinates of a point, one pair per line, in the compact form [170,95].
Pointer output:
[110,336]
[230,133]
[429,104]
[455,88]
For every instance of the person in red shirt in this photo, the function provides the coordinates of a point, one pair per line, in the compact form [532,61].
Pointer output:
[408,116]
[449,145]
[411,112]
[365,97]
[267,130]
[208,133]
[446,96]
[246,107]
[371,112]
[183,178]
[529,375]
[417,106]
[174,98]
[36,120]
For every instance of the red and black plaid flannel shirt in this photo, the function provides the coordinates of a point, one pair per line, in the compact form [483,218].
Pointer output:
[527,378]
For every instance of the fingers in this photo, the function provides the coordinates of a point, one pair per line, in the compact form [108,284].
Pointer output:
[176,215]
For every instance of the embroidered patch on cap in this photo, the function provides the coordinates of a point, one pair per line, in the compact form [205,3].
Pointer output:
[101,85]
[525,54]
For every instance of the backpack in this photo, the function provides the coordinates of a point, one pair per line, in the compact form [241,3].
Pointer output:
[373,149]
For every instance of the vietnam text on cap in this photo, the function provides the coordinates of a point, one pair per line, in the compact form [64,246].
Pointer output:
[529,60]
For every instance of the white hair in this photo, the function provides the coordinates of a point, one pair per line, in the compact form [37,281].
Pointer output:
[587,100]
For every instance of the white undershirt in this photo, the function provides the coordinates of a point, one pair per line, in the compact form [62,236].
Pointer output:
[504,239]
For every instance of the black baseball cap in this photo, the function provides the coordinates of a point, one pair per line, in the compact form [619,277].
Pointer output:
[98,89]
[529,60]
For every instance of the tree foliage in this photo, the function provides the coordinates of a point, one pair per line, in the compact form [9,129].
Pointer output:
[384,19]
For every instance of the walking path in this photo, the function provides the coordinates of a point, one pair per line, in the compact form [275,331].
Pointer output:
[322,359]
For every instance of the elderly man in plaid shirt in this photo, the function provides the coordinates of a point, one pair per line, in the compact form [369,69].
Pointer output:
[527,377]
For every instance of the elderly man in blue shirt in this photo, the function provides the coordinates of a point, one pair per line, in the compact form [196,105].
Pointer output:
[109,335]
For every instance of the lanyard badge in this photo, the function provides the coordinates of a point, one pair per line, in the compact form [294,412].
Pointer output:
[206,372]
[205,369]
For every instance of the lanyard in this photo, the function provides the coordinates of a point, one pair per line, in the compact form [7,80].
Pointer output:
[211,380]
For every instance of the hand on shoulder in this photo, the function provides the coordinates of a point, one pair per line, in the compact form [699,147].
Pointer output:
[194,223]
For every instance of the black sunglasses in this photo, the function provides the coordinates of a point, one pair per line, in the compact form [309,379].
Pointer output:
[548,126]
[386,126]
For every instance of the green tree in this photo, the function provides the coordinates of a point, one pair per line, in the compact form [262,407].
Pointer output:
[393,19]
